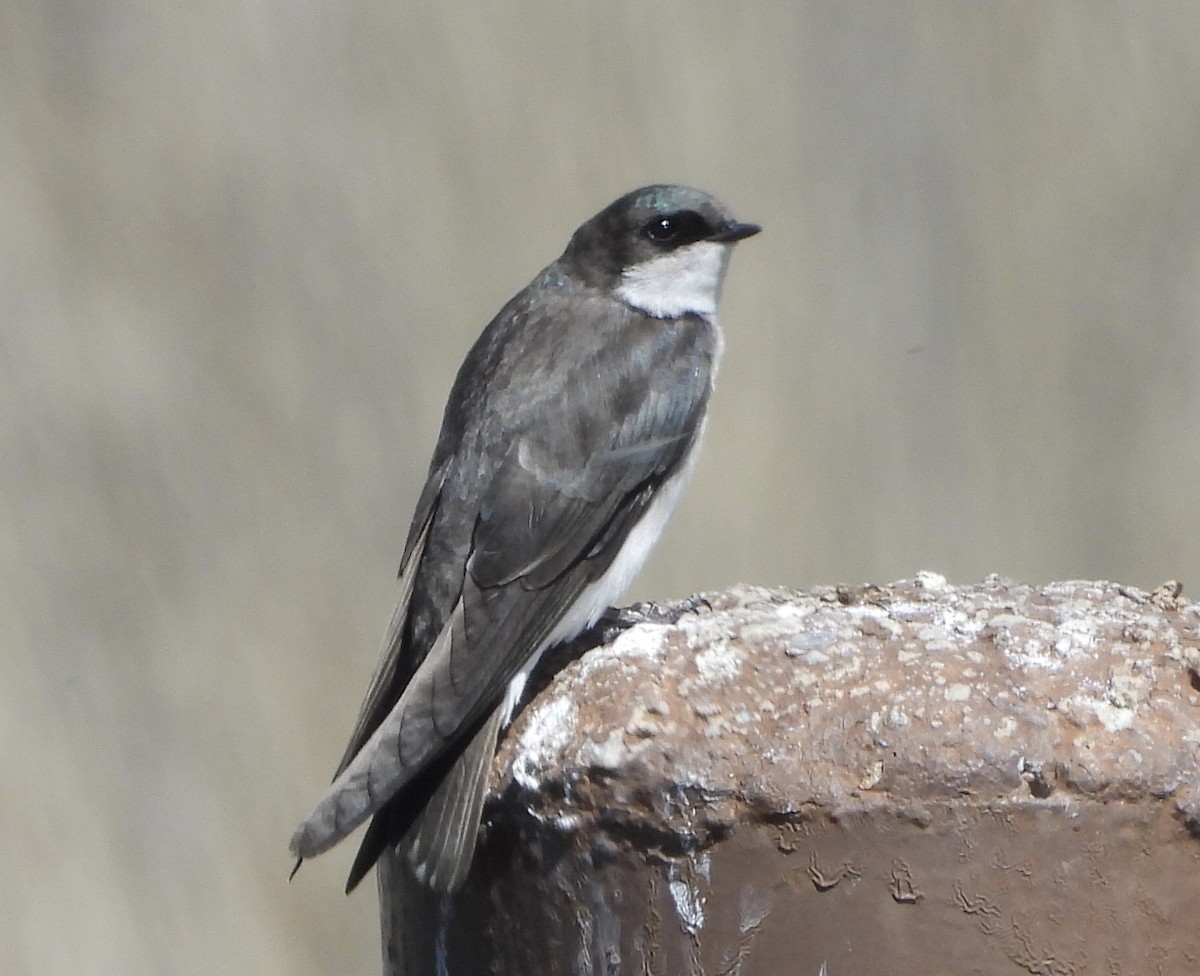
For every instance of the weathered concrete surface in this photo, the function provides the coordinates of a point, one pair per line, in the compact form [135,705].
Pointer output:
[919,778]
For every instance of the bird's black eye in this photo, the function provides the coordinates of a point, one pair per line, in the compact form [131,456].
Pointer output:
[676,229]
[661,229]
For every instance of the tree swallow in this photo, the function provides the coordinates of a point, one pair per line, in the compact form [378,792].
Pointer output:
[568,436]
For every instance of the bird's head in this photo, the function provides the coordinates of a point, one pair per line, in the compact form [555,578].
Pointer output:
[662,249]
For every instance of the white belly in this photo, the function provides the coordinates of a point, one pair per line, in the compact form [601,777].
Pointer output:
[603,593]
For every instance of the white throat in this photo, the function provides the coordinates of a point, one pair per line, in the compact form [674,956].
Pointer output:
[683,282]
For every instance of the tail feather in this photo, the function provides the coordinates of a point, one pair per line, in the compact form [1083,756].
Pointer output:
[413,814]
[441,844]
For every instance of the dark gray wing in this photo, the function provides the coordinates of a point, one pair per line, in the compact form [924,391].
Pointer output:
[565,429]
[395,666]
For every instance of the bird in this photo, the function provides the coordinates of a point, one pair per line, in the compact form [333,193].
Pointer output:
[569,432]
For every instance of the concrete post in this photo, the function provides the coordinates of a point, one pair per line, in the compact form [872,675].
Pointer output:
[911,779]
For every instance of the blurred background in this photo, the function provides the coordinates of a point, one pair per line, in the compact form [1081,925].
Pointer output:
[244,246]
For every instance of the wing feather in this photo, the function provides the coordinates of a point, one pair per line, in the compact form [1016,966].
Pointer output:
[379,698]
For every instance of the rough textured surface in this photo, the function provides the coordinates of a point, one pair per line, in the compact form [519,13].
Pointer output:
[1001,778]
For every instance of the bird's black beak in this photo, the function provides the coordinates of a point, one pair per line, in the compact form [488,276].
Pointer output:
[733,231]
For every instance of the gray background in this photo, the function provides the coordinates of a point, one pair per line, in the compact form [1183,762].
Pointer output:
[244,246]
